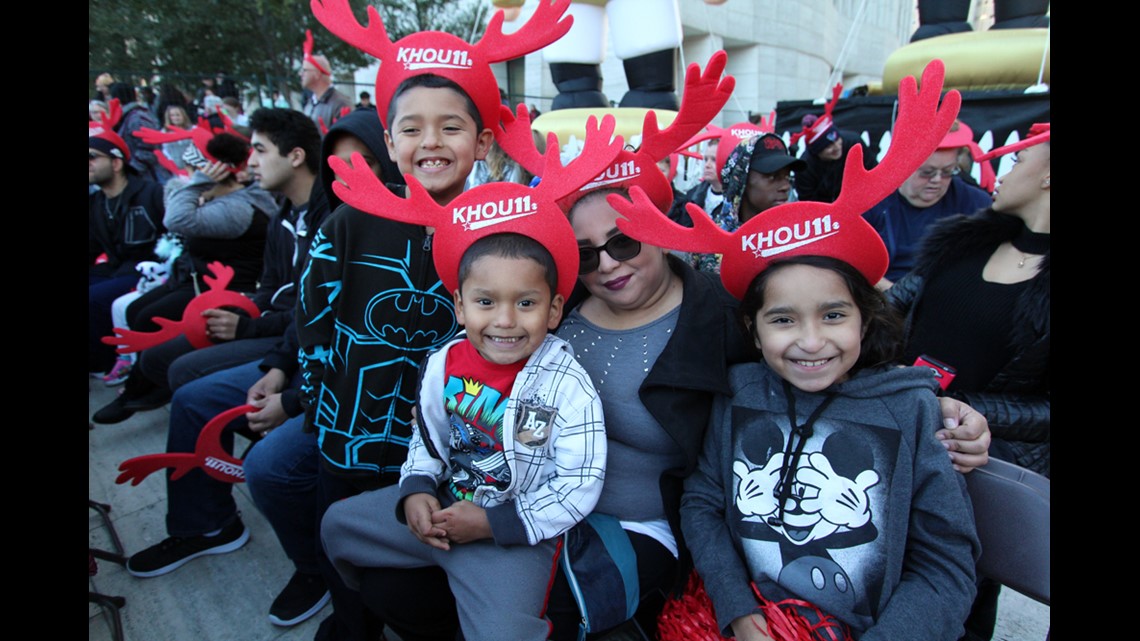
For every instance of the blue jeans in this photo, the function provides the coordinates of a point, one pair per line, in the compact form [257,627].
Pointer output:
[101,292]
[176,362]
[281,474]
[281,468]
[197,504]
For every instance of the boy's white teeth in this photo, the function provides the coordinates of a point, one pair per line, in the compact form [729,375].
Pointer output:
[504,339]
[432,163]
[812,363]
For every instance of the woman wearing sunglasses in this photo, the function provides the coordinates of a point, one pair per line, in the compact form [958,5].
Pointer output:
[655,335]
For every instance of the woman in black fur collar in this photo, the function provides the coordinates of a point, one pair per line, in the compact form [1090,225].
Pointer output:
[979,301]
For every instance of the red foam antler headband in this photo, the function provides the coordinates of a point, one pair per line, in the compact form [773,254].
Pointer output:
[821,124]
[344,111]
[104,128]
[705,95]
[800,228]
[192,325]
[960,135]
[729,137]
[443,54]
[208,454]
[490,208]
[308,49]
[1036,135]
[200,134]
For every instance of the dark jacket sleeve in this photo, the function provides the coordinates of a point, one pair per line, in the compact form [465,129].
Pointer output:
[278,263]
[284,358]
[904,291]
[270,323]
[703,521]
[941,542]
[276,293]
[316,313]
[1012,417]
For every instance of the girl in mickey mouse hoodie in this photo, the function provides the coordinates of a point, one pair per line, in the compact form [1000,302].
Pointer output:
[822,502]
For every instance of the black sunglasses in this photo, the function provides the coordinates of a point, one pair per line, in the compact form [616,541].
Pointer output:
[620,248]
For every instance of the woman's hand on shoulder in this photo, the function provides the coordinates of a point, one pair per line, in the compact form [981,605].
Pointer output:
[966,435]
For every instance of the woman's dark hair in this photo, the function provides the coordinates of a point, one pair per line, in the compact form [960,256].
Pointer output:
[882,326]
[432,81]
[510,245]
[168,95]
[228,148]
[595,195]
[147,94]
[121,90]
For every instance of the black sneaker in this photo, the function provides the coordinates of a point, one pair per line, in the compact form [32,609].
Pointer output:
[112,412]
[303,596]
[151,400]
[175,552]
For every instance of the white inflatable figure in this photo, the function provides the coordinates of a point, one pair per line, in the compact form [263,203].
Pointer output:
[645,36]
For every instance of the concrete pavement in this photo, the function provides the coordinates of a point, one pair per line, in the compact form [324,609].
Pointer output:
[226,597]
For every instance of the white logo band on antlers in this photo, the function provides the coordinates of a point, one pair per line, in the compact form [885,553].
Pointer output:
[801,228]
[443,54]
[489,208]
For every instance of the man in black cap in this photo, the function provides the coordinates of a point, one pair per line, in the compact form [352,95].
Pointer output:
[756,176]
[768,181]
[124,220]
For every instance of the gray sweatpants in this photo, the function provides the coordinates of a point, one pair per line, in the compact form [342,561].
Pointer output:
[500,591]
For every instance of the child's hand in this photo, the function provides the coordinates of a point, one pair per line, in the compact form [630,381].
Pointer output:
[463,522]
[750,628]
[419,509]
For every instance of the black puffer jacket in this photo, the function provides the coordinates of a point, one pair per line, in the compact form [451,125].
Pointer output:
[1016,401]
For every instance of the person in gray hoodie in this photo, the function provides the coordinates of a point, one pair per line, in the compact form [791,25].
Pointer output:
[822,496]
[220,220]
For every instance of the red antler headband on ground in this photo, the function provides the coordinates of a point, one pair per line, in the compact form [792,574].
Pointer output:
[807,228]
[1037,134]
[208,454]
[443,54]
[308,49]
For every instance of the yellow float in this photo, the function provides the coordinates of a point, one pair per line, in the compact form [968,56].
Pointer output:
[976,60]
